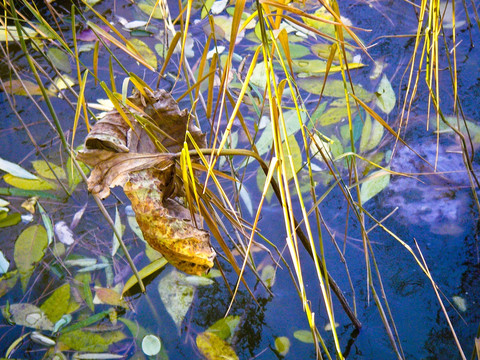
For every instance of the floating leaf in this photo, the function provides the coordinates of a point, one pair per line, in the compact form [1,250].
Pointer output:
[148,6]
[29,204]
[385,95]
[110,297]
[214,348]
[268,275]
[282,345]
[4,263]
[74,177]
[87,341]
[224,328]
[323,51]
[145,272]
[333,88]
[57,304]
[198,280]
[27,315]
[151,345]
[59,59]
[26,184]
[81,262]
[64,233]
[41,167]
[377,181]
[328,327]
[8,281]
[84,280]
[15,170]
[3,203]
[29,249]
[304,336]
[371,134]
[41,339]
[144,50]
[23,88]
[118,229]
[10,33]
[460,302]
[176,295]
[132,222]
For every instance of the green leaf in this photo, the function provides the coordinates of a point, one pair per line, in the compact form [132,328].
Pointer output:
[145,272]
[25,184]
[27,315]
[371,134]
[147,7]
[268,275]
[90,342]
[385,95]
[282,345]
[41,167]
[10,220]
[74,177]
[304,336]
[15,170]
[214,348]
[333,115]
[333,88]
[59,59]
[29,249]
[151,345]
[377,181]
[224,328]
[8,281]
[46,222]
[57,304]
[176,295]
[144,50]
[10,33]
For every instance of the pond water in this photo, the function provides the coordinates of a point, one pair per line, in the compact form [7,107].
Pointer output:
[436,211]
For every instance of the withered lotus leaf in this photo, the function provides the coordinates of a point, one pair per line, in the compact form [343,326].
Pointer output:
[126,156]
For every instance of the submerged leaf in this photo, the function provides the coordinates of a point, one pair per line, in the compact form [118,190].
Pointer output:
[214,348]
[224,328]
[148,270]
[42,168]
[176,295]
[10,219]
[372,133]
[57,304]
[377,181]
[8,281]
[87,341]
[151,8]
[144,50]
[59,59]
[304,336]
[27,315]
[110,297]
[23,88]
[282,345]
[385,95]
[29,249]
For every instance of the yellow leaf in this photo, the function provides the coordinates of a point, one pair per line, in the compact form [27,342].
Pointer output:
[214,348]
[25,184]
[41,167]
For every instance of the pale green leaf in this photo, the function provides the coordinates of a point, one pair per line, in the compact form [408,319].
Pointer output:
[377,181]
[10,33]
[225,327]
[57,304]
[15,170]
[27,315]
[4,263]
[90,342]
[118,229]
[385,95]
[372,133]
[176,295]
[59,59]
[29,249]
[214,348]
[304,336]
[23,88]
[282,345]
[144,50]
[46,222]
[151,345]
[147,6]
[333,88]
[41,167]
[268,275]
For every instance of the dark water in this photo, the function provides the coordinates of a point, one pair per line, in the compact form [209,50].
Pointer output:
[438,212]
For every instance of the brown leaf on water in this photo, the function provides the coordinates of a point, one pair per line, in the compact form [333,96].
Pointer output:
[127,156]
